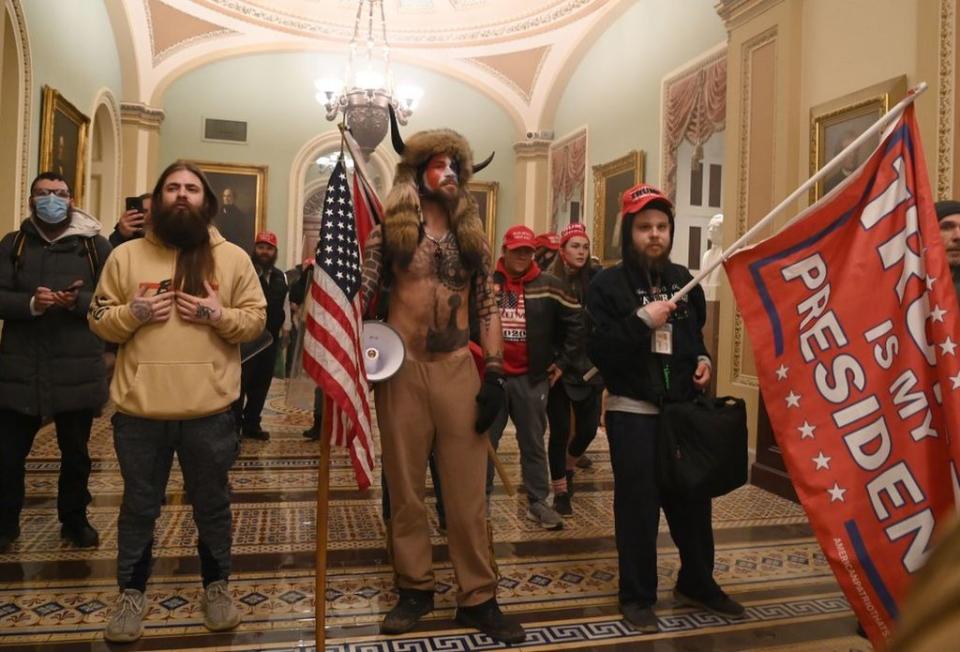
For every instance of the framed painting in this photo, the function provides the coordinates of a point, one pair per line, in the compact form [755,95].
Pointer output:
[610,181]
[568,179]
[485,194]
[836,124]
[242,193]
[63,141]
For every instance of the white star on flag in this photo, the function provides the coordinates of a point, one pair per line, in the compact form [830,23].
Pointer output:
[836,493]
[930,282]
[782,372]
[956,381]
[806,431]
[937,313]
[793,400]
[822,461]
[947,347]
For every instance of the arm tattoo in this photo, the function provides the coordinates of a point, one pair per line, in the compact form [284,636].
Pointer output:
[142,310]
[372,267]
[491,337]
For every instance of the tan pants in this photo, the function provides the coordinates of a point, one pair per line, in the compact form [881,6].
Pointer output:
[432,406]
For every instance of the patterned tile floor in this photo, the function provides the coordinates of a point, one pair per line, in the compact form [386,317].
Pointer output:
[561,584]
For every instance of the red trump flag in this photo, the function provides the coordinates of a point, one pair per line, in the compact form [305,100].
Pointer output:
[853,318]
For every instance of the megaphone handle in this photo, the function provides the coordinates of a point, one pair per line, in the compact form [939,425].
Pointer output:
[502,472]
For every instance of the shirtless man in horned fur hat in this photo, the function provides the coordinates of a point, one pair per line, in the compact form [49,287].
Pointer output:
[434,252]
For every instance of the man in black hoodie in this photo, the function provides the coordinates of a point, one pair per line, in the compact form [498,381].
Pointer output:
[948,214]
[650,350]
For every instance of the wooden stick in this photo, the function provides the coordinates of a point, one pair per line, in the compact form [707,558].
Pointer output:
[502,472]
[323,494]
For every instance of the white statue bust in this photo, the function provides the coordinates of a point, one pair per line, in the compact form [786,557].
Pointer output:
[711,282]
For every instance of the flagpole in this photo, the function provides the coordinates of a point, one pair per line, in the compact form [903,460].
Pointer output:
[323,494]
[832,165]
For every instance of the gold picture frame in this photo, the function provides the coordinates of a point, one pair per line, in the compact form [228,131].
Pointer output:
[248,184]
[63,141]
[485,193]
[835,124]
[610,181]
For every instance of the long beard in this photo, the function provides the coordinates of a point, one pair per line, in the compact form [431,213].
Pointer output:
[651,265]
[183,227]
[265,261]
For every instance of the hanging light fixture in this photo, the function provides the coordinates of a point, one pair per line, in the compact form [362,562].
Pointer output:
[367,91]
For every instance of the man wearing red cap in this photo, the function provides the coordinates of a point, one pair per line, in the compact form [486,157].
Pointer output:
[541,328]
[650,350]
[547,246]
[258,370]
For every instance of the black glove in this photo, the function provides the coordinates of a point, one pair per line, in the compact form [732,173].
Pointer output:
[490,401]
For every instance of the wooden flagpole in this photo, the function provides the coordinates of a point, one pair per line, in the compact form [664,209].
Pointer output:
[323,494]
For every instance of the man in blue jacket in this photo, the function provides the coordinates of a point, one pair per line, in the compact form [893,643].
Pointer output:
[650,350]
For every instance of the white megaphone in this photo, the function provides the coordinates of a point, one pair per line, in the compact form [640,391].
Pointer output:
[382,349]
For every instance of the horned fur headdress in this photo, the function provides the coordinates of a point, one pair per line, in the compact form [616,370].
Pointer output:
[402,218]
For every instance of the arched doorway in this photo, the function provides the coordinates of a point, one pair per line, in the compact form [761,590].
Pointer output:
[103,200]
[309,175]
[15,107]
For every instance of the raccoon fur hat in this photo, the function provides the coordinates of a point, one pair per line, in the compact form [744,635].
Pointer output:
[402,223]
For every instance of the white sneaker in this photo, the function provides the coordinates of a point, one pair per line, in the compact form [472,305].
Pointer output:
[126,623]
[545,516]
[219,612]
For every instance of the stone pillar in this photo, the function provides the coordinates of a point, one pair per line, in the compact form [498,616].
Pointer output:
[140,138]
[532,183]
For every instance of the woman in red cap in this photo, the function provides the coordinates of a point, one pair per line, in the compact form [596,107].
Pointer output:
[574,268]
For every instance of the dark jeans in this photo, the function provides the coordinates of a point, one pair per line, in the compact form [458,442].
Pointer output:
[206,449]
[636,509]
[586,414]
[256,376]
[17,431]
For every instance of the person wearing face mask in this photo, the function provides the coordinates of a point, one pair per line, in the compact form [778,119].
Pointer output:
[575,269]
[258,370]
[51,365]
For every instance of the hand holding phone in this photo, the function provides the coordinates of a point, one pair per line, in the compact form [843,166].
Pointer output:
[130,224]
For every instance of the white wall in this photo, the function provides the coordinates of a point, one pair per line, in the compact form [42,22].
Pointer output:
[274,94]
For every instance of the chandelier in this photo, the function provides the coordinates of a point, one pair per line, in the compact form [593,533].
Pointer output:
[365,94]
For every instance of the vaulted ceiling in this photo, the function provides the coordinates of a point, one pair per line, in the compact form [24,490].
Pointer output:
[520,52]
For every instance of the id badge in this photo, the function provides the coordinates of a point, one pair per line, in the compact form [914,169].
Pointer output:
[662,340]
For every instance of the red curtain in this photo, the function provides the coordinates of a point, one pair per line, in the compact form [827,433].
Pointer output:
[696,108]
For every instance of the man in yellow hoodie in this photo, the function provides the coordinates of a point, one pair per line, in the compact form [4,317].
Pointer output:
[178,302]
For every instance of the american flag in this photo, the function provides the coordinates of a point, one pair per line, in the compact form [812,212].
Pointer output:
[331,343]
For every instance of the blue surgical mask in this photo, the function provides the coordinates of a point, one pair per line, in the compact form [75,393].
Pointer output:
[51,209]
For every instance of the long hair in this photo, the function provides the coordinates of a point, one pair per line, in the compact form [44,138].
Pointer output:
[578,280]
[194,265]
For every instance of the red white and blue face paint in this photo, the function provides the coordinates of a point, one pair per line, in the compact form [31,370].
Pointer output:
[440,171]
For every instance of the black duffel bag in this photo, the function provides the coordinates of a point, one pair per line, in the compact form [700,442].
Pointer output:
[702,446]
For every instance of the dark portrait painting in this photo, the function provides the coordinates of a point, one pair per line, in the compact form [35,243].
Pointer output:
[63,140]
[241,193]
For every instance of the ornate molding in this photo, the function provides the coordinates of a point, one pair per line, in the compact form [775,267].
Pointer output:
[532,149]
[141,115]
[945,99]
[743,174]
[15,10]
[525,94]
[325,27]
[736,12]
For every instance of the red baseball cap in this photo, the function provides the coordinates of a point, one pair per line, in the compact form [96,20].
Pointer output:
[519,236]
[640,196]
[266,237]
[573,231]
[548,240]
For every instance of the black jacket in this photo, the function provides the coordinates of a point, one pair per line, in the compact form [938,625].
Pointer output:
[274,284]
[52,362]
[554,324]
[580,363]
[619,344]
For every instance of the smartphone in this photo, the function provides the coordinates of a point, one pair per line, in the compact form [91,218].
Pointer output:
[134,204]
[76,285]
